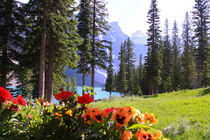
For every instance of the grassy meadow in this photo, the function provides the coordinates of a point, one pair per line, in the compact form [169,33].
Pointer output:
[182,115]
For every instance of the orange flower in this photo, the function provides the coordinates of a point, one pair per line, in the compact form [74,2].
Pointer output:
[41,101]
[69,112]
[131,110]
[121,116]
[158,134]
[97,115]
[87,117]
[150,118]
[58,116]
[143,135]
[126,135]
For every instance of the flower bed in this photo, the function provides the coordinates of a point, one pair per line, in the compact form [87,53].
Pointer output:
[74,118]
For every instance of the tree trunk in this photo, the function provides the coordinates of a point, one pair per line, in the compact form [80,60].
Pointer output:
[83,73]
[152,89]
[93,48]
[42,55]
[49,86]
[110,94]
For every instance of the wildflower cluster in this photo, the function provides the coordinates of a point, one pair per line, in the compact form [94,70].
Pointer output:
[73,118]
[127,121]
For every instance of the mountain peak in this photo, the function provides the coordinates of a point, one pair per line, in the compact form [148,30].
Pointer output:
[138,33]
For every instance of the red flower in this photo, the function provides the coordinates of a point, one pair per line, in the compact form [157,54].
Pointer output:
[64,95]
[19,101]
[85,99]
[5,95]
[108,110]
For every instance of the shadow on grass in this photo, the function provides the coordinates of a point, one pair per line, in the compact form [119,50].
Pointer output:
[205,92]
[150,96]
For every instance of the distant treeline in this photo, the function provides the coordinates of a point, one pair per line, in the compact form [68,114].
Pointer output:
[174,60]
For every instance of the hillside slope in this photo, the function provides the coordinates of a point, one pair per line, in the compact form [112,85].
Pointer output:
[185,113]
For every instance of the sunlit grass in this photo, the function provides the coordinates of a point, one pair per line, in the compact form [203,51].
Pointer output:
[185,113]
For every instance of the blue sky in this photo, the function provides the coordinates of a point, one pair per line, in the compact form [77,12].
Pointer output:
[132,14]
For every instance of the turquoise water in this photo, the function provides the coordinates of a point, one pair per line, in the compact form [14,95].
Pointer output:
[100,94]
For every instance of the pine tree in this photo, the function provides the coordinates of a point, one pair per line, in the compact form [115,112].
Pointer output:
[99,55]
[122,81]
[109,86]
[11,39]
[130,66]
[188,55]
[153,60]
[166,70]
[84,29]
[137,88]
[141,69]
[202,25]
[176,67]
[74,86]
[68,84]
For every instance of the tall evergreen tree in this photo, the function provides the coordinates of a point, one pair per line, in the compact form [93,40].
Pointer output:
[122,80]
[68,84]
[153,59]
[84,29]
[141,69]
[99,55]
[166,70]
[109,86]
[130,66]
[201,15]
[11,39]
[74,86]
[188,62]
[176,67]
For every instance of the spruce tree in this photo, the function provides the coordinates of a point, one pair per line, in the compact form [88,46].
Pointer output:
[99,56]
[166,70]
[68,84]
[176,60]
[130,66]
[202,25]
[109,86]
[74,86]
[189,72]
[11,39]
[122,80]
[84,29]
[153,60]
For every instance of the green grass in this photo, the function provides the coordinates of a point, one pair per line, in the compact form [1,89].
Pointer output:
[185,113]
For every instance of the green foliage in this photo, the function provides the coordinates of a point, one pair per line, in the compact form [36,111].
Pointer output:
[166,72]
[122,79]
[176,58]
[189,71]
[109,86]
[68,84]
[201,36]
[74,85]
[130,64]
